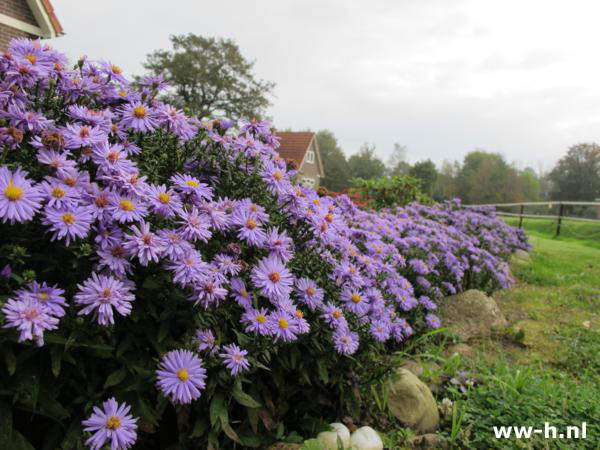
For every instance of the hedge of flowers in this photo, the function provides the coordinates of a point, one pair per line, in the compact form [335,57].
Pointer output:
[164,280]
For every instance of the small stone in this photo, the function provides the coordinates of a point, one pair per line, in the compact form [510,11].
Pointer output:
[414,367]
[463,350]
[586,324]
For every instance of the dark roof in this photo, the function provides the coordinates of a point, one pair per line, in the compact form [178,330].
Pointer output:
[294,144]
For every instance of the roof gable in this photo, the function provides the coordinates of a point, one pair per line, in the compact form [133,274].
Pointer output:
[294,145]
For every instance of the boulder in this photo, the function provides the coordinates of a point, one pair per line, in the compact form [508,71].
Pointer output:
[412,403]
[428,441]
[413,366]
[520,258]
[471,315]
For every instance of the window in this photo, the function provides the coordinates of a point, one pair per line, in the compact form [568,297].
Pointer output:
[310,156]
[308,182]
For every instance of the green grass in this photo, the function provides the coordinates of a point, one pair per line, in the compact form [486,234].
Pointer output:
[546,368]
[583,233]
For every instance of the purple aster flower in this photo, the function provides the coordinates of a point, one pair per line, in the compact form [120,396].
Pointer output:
[205,339]
[195,226]
[227,265]
[273,279]
[30,318]
[57,161]
[345,341]
[6,272]
[381,330]
[188,269]
[282,327]
[279,244]
[144,244]
[138,117]
[58,194]
[354,300]
[19,200]
[116,259]
[176,246]
[208,291]
[174,120]
[334,316]
[70,223]
[309,293]
[100,294]
[300,323]
[235,359]
[240,293]
[128,208]
[433,321]
[181,376]
[112,158]
[190,185]
[111,423]
[250,230]
[163,201]
[255,321]
[77,135]
[50,297]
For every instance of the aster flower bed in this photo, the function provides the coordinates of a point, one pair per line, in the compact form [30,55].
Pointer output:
[169,269]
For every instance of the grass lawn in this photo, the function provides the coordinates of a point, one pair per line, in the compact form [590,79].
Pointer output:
[545,368]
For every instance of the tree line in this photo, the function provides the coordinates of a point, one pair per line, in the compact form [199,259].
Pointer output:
[209,77]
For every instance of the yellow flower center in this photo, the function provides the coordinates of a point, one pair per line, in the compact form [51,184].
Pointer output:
[70,181]
[113,423]
[299,314]
[329,218]
[310,291]
[68,218]
[261,319]
[283,324]
[192,183]
[355,298]
[122,93]
[183,375]
[317,202]
[43,296]
[251,224]
[31,58]
[113,157]
[139,112]
[277,175]
[101,201]
[337,314]
[164,198]
[244,293]
[116,70]
[58,192]
[13,193]
[127,205]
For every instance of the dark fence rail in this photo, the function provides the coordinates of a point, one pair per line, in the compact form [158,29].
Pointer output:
[558,217]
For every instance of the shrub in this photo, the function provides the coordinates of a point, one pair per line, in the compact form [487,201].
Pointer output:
[169,264]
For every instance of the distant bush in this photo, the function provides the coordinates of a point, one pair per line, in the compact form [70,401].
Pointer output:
[385,192]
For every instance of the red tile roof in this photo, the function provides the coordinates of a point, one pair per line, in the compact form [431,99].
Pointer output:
[294,144]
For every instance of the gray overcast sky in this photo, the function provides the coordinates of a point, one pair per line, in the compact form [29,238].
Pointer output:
[438,76]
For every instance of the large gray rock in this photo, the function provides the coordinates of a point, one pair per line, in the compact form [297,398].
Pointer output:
[412,403]
[471,315]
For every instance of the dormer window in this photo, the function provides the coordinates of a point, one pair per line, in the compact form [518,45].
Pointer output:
[310,156]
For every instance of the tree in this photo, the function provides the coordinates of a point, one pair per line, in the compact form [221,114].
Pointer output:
[335,165]
[427,173]
[529,184]
[210,77]
[365,164]
[576,176]
[487,178]
[397,164]
[446,186]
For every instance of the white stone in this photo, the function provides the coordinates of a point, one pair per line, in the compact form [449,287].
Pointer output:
[329,439]
[365,438]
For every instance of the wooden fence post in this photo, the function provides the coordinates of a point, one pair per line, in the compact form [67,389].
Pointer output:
[560,213]
[521,216]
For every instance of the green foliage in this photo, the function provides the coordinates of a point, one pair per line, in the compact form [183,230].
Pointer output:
[576,176]
[365,164]
[385,192]
[337,171]
[209,77]
[427,173]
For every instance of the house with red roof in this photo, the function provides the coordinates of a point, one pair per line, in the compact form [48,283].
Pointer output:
[28,19]
[302,148]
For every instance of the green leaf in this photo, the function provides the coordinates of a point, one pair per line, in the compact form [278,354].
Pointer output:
[11,361]
[55,358]
[217,409]
[322,371]
[5,425]
[115,378]
[241,397]
[19,442]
